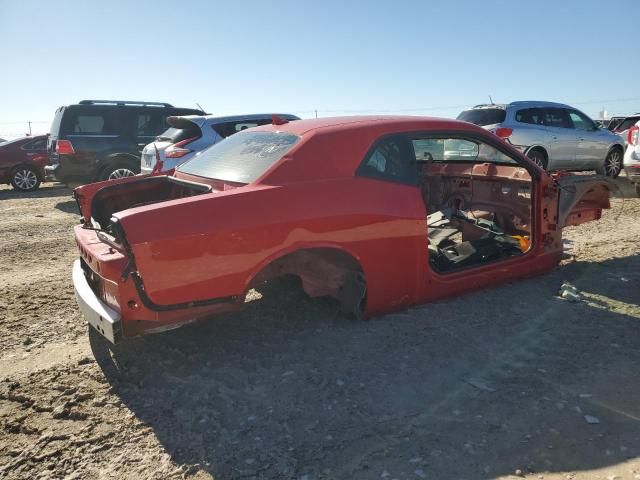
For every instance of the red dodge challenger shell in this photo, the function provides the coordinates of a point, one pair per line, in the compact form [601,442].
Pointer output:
[378,212]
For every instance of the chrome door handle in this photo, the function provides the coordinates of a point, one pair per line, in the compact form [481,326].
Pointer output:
[554,137]
[581,139]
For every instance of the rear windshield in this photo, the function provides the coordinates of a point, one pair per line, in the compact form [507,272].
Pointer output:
[57,119]
[175,135]
[483,116]
[241,158]
[627,123]
[614,122]
[229,128]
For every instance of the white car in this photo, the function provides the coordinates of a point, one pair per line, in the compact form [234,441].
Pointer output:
[632,155]
[621,128]
[190,134]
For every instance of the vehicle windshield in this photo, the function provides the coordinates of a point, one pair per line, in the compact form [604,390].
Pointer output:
[242,157]
[483,116]
[175,135]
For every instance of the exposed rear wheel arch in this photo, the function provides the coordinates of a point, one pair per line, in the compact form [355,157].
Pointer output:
[323,272]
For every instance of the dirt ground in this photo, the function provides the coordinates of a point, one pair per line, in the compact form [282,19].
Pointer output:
[503,382]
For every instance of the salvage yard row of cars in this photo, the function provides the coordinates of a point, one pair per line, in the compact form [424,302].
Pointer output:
[377,213]
[103,139]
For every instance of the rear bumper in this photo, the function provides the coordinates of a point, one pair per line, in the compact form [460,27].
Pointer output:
[99,315]
[631,163]
[633,174]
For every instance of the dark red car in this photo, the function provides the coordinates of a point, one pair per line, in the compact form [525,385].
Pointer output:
[22,162]
[378,213]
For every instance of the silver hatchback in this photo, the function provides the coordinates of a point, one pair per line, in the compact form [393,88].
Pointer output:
[554,135]
[189,135]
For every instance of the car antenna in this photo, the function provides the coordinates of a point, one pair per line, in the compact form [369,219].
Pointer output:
[491,100]
[200,106]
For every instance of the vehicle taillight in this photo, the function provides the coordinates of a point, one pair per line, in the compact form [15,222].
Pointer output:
[64,147]
[177,150]
[632,136]
[504,132]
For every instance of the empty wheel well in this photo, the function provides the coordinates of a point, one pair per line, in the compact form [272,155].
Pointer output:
[323,272]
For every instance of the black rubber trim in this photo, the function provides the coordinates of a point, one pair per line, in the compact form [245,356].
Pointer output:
[137,280]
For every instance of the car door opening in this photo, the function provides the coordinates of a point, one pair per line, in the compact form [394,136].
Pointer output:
[478,201]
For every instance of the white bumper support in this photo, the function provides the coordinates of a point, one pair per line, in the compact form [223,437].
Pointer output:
[99,315]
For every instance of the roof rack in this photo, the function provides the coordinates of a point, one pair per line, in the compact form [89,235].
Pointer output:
[124,102]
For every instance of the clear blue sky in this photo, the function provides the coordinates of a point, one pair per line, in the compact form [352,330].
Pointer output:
[339,57]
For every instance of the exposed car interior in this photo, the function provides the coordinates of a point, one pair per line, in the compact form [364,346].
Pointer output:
[478,203]
[478,200]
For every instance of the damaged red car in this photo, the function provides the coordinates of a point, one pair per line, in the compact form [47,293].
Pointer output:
[378,213]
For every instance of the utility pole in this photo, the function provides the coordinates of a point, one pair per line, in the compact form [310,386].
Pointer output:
[29,122]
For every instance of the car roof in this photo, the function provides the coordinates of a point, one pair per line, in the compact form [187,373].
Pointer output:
[26,139]
[522,104]
[381,122]
[342,142]
[213,120]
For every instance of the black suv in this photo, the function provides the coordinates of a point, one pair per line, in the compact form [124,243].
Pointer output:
[102,139]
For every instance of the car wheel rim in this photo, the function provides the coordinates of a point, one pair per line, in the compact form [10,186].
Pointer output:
[614,164]
[25,179]
[121,173]
[538,161]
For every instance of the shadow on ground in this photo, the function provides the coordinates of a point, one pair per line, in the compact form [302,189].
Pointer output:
[473,387]
[47,190]
[68,206]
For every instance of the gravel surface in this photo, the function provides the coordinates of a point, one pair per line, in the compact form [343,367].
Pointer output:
[506,382]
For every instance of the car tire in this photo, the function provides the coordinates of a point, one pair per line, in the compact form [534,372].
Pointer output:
[117,170]
[538,157]
[25,179]
[612,164]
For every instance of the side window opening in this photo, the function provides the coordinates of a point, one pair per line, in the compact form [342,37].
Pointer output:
[40,144]
[532,116]
[557,118]
[476,213]
[391,159]
[580,122]
[149,124]
[90,121]
[89,124]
